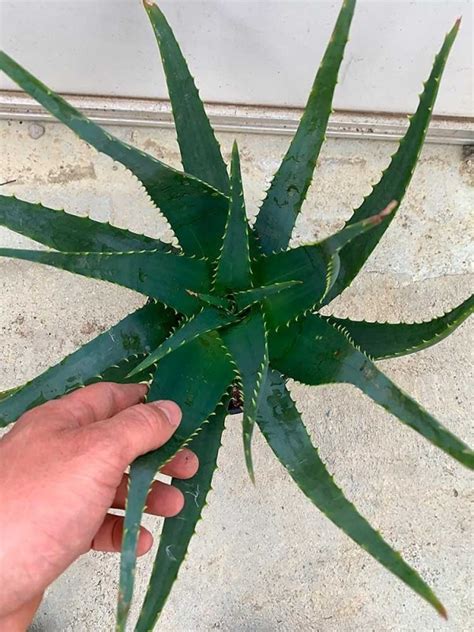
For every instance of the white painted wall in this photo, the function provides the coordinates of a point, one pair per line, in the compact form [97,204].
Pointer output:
[241,51]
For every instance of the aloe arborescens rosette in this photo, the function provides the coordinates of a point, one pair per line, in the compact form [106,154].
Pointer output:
[233,304]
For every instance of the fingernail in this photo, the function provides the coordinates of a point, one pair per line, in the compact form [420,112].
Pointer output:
[170,409]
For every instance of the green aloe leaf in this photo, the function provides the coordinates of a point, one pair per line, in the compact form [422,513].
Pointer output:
[157,274]
[208,319]
[283,428]
[315,266]
[65,232]
[195,210]
[388,340]
[178,531]
[136,334]
[282,204]
[233,266]
[247,343]
[396,178]
[331,357]
[246,298]
[200,151]
[213,300]
[205,373]
[120,372]
[9,392]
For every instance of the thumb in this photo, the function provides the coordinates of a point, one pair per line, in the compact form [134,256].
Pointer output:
[141,428]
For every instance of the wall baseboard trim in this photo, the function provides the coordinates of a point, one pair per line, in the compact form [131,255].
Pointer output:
[240,118]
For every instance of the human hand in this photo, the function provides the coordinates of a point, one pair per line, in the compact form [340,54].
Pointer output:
[61,470]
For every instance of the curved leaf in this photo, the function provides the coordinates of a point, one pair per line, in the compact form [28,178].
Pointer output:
[205,372]
[389,340]
[200,151]
[396,177]
[178,531]
[195,211]
[315,266]
[283,428]
[120,372]
[137,333]
[282,204]
[213,301]
[164,276]
[208,319]
[65,232]
[330,357]
[246,298]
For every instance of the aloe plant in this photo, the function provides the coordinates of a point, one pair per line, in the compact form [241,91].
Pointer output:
[233,306]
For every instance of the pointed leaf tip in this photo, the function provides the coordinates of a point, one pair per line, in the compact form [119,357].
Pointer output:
[209,319]
[235,164]
[285,196]
[389,340]
[388,210]
[148,3]
[234,272]
[442,611]
[396,177]
[285,432]
[200,151]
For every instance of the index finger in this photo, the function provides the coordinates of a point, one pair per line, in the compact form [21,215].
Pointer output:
[101,401]
[90,404]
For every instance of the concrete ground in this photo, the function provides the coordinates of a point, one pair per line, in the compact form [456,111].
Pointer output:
[264,558]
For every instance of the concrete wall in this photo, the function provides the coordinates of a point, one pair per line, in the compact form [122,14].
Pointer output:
[264,559]
[245,51]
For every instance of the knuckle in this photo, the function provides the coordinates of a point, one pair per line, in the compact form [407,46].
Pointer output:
[150,416]
[93,440]
[42,413]
[81,410]
[111,391]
